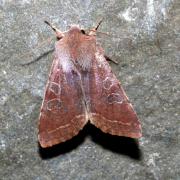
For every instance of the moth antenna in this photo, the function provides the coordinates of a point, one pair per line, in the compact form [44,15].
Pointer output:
[99,24]
[59,34]
[49,24]
[93,31]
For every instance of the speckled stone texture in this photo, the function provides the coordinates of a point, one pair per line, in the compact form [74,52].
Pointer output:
[144,39]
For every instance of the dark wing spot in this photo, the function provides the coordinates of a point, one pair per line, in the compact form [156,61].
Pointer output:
[114,98]
[54,105]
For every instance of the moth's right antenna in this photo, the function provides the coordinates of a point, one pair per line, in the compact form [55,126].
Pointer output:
[93,31]
[99,24]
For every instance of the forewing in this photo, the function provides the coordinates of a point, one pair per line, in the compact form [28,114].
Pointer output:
[62,113]
[110,108]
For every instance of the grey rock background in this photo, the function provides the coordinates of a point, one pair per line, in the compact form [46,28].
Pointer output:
[144,40]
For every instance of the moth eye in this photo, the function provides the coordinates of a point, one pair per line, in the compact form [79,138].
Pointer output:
[83,32]
[58,38]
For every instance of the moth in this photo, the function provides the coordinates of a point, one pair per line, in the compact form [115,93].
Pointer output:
[82,88]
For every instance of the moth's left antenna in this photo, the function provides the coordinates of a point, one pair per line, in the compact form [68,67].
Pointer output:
[53,27]
[59,34]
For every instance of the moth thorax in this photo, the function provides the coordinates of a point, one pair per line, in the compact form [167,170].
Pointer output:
[83,62]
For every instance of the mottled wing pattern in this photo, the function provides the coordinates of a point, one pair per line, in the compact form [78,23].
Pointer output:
[110,109]
[62,113]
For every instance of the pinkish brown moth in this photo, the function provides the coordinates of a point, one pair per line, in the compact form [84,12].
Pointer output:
[82,88]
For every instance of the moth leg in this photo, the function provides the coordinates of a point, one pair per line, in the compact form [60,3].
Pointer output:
[109,59]
[59,34]
[38,58]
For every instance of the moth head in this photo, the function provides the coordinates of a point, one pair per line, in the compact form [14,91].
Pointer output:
[91,32]
[76,29]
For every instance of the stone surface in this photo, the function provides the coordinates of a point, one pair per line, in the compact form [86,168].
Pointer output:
[144,39]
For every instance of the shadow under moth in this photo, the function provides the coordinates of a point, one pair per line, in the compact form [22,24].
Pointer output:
[82,88]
